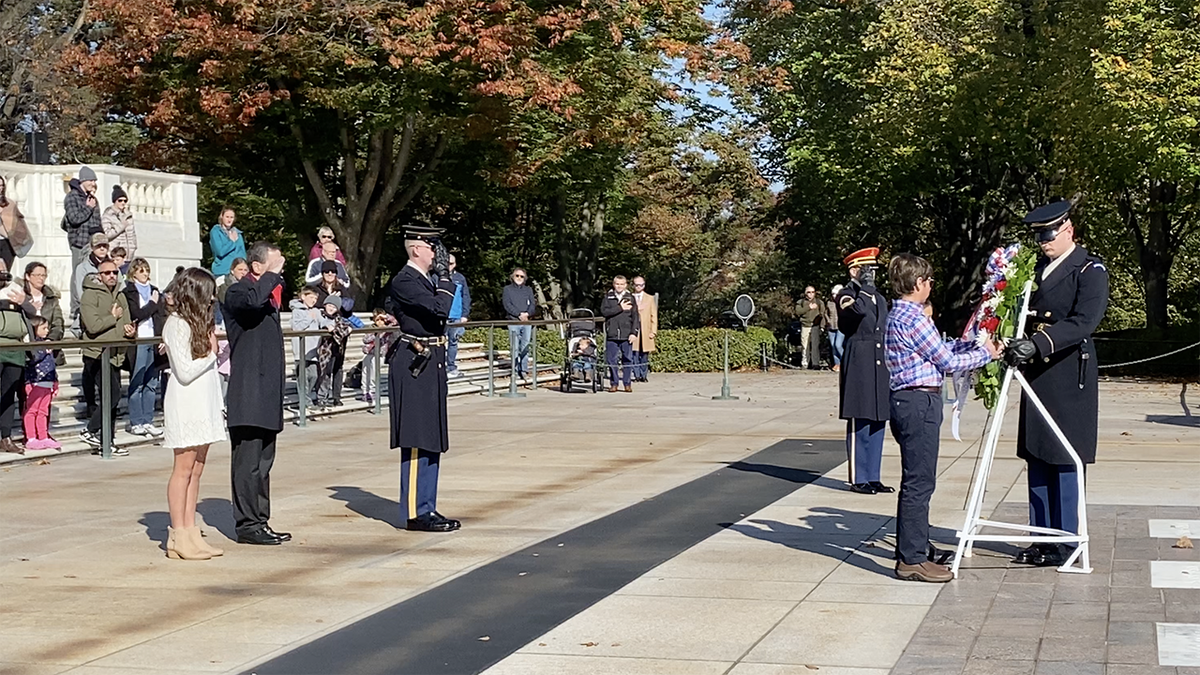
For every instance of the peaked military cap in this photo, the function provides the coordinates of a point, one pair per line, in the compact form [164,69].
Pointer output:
[423,232]
[866,256]
[1046,220]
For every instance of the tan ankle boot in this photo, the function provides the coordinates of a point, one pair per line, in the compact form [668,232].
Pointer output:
[181,547]
[198,540]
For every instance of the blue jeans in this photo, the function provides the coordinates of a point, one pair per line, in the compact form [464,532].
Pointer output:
[143,386]
[518,348]
[837,342]
[453,334]
[614,352]
[916,421]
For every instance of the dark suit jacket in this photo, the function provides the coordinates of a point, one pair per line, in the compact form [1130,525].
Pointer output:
[256,363]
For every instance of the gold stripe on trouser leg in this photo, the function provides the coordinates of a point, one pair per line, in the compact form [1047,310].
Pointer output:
[413,461]
[852,432]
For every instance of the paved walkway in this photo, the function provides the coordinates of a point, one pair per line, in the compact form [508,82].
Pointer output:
[798,580]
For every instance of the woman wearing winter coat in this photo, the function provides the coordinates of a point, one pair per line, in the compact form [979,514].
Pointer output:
[148,311]
[117,221]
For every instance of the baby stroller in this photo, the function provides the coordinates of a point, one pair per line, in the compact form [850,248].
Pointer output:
[580,367]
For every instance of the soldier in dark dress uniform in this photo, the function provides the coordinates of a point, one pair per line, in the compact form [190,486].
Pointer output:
[420,297]
[1060,358]
[863,384]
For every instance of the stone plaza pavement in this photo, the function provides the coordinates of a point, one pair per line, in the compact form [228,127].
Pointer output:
[796,580]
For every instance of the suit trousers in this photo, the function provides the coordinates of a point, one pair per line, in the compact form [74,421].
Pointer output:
[864,449]
[418,481]
[250,470]
[916,424]
[1053,496]
[641,365]
[619,355]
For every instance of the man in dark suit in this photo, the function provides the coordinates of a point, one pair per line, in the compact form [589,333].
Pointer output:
[417,379]
[863,379]
[255,397]
[1070,301]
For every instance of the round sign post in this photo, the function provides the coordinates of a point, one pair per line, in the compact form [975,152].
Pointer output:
[743,309]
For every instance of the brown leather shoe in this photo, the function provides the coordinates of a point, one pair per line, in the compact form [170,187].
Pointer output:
[927,571]
[7,445]
[612,389]
[628,389]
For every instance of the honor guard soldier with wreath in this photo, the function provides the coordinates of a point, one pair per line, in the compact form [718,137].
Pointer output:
[1060,358]
[863,380]
[420,297]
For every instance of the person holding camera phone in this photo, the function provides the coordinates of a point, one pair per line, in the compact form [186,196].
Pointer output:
[420,297]
[863,383]
[81,220]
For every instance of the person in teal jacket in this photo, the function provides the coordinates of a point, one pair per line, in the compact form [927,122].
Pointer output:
[226,242]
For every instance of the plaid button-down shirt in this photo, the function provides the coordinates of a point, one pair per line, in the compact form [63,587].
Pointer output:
[916,354]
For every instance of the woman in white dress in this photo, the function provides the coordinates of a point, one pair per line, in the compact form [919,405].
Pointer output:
[192,407]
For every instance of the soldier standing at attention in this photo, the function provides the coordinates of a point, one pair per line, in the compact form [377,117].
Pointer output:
[1070,300]
[863,383]
[420,297]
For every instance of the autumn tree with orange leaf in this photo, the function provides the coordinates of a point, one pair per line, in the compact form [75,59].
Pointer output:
[346,110]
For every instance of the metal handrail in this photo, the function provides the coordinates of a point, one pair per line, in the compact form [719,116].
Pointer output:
[106,348]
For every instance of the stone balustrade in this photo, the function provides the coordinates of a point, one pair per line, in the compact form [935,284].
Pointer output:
[164,215]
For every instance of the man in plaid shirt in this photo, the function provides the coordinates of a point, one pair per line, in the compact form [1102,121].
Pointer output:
[917,358]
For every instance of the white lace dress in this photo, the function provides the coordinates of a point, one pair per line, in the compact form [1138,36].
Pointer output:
[193,406]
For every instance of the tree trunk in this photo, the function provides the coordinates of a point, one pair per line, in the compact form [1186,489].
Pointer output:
[1154,245]
[371,202]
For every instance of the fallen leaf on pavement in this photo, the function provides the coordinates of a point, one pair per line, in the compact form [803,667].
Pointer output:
[811,667]
[43,462]
[1183,542]
[588,644]
[484,638]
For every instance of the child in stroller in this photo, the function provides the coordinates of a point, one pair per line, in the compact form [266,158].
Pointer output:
[583,358]
[580,366]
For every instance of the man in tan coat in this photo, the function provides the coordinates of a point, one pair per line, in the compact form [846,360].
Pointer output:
[648,313]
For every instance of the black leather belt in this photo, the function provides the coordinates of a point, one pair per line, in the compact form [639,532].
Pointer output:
[931,390]
[432,341]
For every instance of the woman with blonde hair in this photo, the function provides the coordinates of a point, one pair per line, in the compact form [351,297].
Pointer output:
[325,234]
[192,408]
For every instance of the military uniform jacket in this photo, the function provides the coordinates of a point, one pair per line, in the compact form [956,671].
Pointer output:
[864,382]
[256,362]
[1064,311]
[418,404]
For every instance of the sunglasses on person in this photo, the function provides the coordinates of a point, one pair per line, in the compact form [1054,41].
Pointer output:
[107,272]
[122,200]
[327,236]
[518,276]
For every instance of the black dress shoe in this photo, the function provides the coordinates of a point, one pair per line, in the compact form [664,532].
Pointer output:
[454,523]
[1053,555]
[1028,555]
[259,537]
[282,536]
[863,488]
[428,523]
[880,487]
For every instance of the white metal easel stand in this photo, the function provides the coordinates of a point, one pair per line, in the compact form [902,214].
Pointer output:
[974,523]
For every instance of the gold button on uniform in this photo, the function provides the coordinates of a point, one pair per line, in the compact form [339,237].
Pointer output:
[1047,315]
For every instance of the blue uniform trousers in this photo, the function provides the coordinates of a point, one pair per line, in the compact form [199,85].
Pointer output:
[916,423]
[1053,496]
[418,481]
[864,448]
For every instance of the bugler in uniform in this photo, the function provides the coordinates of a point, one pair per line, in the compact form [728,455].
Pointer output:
[417,375]
[863,379]
[1070,300]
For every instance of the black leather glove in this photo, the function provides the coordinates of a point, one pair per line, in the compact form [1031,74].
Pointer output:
[441,260]
[1019,351]
[867,276]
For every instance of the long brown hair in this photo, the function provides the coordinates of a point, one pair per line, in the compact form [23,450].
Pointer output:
[193,292]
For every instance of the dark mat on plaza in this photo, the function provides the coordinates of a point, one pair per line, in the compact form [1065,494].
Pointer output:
[437,632]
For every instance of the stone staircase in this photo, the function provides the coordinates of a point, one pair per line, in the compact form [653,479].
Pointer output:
[67,413]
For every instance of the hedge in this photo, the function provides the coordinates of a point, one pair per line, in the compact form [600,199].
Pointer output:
[679,350]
